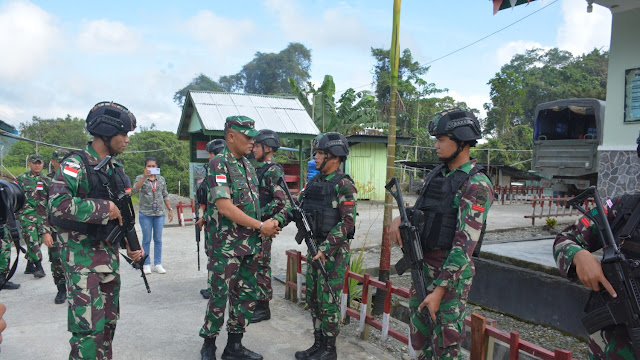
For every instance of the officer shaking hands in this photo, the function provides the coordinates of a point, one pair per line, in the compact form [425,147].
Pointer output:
[233,203]
[450,214]
[81,206]
[329,202]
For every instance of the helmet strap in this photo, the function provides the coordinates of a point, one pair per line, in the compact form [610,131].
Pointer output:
[264,153]
[449,159]
[106,140]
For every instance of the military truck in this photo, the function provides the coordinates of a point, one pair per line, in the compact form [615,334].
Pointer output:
[565,143]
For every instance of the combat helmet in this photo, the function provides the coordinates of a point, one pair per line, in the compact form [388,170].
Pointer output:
[216,146]
[458,124]
[109,119]
[269,138]
[334,143]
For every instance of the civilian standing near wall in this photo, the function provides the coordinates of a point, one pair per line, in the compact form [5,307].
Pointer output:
[451,213]
[152,188]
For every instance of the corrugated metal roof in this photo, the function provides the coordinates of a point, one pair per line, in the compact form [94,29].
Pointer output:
[280,114]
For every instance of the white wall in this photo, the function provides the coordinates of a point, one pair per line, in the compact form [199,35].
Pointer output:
[624,54]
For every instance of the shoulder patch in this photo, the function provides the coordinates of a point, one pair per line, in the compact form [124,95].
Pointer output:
[70,171]
[221,179]
[477,208]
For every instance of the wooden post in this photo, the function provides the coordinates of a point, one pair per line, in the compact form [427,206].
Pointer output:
[478,344]
[367,327]
[514,341]
[562,354]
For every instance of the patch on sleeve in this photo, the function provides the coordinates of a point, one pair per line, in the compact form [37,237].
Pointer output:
[221,179]
[609,203]
[68,170]
[478,208]
[585,221]
[348,203]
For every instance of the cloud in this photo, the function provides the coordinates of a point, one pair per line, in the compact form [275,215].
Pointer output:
[507,51]
[474,101]
[218,33]
[104,36]
[337,26]
[581,32]
[29,36]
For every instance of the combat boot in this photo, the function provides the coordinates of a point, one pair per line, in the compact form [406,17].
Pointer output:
[39,271]
[235,351]
[328,352]
[30,268]
[208,351]
[262,312]
[8,284]
[205,293]
[61,296]
[317,345]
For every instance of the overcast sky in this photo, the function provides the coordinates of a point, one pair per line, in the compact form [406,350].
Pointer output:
[61,57]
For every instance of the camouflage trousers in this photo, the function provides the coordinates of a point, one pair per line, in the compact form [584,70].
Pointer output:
[56,262]
[93,312]
[29,225]
[265,292]
[5,255]
[232,278]
[610,343]
[325,312]
[448,332]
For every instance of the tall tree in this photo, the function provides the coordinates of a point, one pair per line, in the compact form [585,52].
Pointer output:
[539,76]
[201,82]
[269,73]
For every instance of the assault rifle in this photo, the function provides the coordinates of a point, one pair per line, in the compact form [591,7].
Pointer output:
[196,217]
[412,250]
[127,230]
[302,223]
[623,274]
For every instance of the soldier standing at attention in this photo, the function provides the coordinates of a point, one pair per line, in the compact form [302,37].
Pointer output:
[329,201]
[273,204]
[54,251]
[234,206]
[214,147]
[33,216]
[81,207]
[450,212]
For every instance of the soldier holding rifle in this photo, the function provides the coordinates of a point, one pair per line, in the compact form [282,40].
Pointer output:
[449,214]
[82,207]
[572,251]
[234,205]
[329,203]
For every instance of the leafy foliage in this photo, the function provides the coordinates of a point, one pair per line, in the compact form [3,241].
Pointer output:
[536,77]
[201,83]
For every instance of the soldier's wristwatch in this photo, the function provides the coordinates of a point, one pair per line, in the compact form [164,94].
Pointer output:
[260,227]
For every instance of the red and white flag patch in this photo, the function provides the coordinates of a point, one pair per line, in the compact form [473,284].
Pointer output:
[585,221]
[477,208]
[70,171]
[39,186]
[221,179]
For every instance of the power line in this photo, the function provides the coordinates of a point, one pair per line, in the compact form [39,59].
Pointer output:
[493,33]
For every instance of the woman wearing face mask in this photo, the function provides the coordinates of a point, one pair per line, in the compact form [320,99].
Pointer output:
[152,188]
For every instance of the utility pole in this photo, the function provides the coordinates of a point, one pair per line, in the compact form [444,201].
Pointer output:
[385,253]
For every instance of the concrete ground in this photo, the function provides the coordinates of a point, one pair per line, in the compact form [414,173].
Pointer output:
[165,323]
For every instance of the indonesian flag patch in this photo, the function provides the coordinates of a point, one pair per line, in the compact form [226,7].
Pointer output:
[70,171]
[221,179]
[39,186]
[478,208]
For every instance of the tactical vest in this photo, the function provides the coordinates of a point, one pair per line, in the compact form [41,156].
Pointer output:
[319,197]
[625,225]
[265,196]
[201,191]
[99,185]
[433,215]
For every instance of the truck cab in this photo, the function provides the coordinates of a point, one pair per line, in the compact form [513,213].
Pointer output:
[565,143]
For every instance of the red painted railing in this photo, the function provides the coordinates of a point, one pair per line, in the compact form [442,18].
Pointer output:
[517,194]
[480,331]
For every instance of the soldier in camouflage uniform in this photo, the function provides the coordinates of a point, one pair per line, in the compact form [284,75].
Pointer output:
[329,202]
[214,147]
[572,252]
[455,200]
[54,251]
[12,198]
[33,216]
[234,206]
[81,208]
[273,204]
